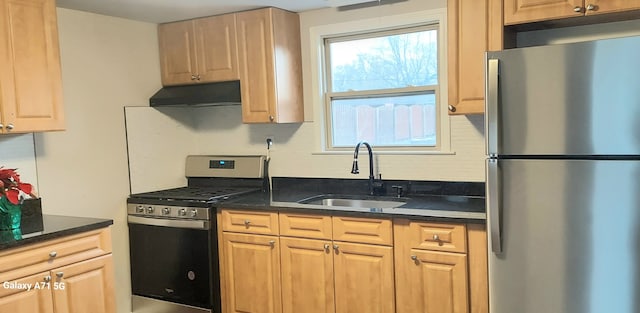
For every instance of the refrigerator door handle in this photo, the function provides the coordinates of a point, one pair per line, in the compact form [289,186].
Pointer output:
[493,205]
[491,120]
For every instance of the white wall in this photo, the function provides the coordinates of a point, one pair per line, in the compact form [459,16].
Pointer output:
[107,63]
[17,151]
[296,149]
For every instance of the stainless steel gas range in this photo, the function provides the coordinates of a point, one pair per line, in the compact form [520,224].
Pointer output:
[173,236]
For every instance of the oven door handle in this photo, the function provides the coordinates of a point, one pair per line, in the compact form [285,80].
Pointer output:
[193,224]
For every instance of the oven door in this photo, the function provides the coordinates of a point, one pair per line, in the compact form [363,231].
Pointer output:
[171,262]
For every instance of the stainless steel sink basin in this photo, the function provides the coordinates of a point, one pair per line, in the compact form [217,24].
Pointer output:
[353,202]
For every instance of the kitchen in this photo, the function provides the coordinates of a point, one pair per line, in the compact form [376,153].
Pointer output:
[109,63]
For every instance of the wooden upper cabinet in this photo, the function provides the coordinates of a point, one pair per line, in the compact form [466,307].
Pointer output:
[270,66]
[30,75]
[474,27]
[198,51]
[527,11]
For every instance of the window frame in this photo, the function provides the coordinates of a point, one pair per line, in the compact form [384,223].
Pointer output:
[320,78]
[373,93]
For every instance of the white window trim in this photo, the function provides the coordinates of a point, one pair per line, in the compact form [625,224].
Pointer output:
[317,34]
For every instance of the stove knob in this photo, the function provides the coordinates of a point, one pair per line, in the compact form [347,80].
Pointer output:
[150,210]
[182,212]
[140,209]
[194,213]
[166,211]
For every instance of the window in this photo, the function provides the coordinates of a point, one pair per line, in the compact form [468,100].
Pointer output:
[383,87]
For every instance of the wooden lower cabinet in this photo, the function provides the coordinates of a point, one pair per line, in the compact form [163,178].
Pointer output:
[363,278]
[88,286]
[27,301]
[250,273]
[307,276]
[320,276]
[433,282]
[427,267]
[81,286]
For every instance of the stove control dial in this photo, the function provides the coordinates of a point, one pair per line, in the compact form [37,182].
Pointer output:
[140,209]
[194,212]
[166,211]
[182,212]
[150,210]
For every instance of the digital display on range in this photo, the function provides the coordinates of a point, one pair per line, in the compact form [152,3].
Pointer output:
[222,164]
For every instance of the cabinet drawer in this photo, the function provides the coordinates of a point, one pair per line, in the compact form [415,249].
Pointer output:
[253,222]
[23,261]
[305,225]
[363,230]
[437,236]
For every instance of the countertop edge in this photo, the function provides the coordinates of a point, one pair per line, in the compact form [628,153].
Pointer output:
[78,225]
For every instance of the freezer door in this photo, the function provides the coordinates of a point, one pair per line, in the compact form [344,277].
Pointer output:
[570,234]
[570,99]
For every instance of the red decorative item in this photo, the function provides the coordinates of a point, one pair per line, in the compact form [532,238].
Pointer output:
[11,186]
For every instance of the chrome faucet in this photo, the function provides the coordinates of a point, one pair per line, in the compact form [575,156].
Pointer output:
[376,187]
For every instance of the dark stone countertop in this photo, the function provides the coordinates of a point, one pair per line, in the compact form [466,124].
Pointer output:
[444,207]
[53,226]
[438,200]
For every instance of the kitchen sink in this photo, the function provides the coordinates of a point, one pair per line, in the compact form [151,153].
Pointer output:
[355,201]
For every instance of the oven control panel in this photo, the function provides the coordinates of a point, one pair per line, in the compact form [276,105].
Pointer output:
[168,211]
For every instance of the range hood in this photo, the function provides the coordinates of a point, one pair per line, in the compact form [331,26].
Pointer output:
[220,93]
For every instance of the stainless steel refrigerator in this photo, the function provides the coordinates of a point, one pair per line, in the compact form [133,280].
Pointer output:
[563,178]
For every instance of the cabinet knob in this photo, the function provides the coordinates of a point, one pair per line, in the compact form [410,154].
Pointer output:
[451,108]
[59,274]
[193,77]
[9,126]
[247,222]
[577,9]
[53,254]
[591,7]
[336,247]
[271,118]
[327,247]
[272,243]
[1,126]
[414,257]
[47,278]
[436,238]
[198,77]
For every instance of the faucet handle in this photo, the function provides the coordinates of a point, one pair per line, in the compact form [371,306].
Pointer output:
[399,190]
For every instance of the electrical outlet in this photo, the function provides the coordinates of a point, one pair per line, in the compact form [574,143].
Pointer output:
[270,141]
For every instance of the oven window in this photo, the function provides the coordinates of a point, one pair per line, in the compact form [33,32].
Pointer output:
[171,264]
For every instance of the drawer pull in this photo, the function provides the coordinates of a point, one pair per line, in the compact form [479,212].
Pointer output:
[436,238]
[247,222]
[59,274]
[272,243]
[414,257]
[327,247]
[47,279]
[336,247]
[53,254]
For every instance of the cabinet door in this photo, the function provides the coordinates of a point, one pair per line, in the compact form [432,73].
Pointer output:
[474,26]
[609,6]
[16,299]
[307,276]
[30,77]
[432,282]
[363,278]
[177,53]
[251,274]
[256,60]
[86,286]
[216,48]
[525,11]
